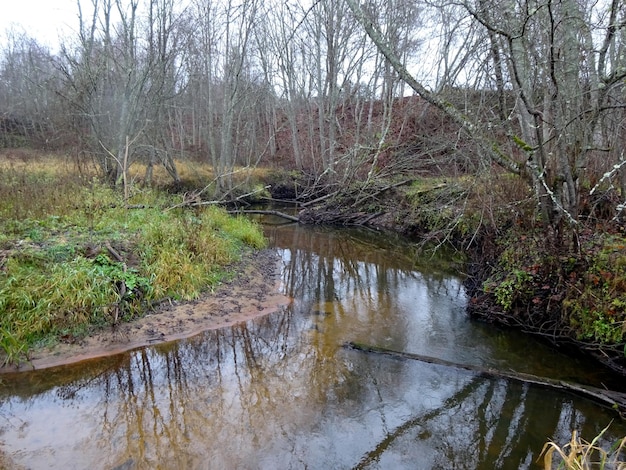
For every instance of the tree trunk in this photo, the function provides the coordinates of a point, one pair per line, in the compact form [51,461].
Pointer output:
[610,399]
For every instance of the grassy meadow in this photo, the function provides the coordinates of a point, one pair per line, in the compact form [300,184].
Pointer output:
[74,255]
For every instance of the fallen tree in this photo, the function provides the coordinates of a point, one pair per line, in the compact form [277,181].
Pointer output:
[609,398]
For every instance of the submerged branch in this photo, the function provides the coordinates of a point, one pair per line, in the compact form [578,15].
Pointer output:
[611,399]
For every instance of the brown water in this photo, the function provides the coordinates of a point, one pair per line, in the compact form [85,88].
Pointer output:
[281,392]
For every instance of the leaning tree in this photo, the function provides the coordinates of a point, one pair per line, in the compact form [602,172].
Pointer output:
[561,66]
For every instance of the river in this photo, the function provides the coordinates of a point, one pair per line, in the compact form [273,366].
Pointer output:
[281,391]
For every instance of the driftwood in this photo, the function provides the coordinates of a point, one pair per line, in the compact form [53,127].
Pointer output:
[307,217]
[319,199]
[193,199]
[611,399]
[281,201]
[337,217]
[114,253]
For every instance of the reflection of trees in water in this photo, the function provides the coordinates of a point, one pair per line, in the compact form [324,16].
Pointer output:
[185,401]
[278,389]
[317,258]
[137,421]
[356,281]
[415,423]
[484,424]
[327,265]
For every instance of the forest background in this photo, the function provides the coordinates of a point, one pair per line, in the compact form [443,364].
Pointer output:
[494,126]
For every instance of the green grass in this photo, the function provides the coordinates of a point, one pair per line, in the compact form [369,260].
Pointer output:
[579,454]
[60,239]
[584,291]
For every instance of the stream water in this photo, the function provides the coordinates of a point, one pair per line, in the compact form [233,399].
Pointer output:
[281,392]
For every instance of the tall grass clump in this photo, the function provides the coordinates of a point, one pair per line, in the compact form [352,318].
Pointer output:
[579,454]
[239,228]
[85,257]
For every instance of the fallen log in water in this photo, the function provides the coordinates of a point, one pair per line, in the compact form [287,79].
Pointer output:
[609,398]
[336,217]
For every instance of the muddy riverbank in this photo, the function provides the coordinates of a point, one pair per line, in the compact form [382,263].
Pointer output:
[252,292]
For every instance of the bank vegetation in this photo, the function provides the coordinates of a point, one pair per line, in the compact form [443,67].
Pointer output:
[497,127]
[77,255]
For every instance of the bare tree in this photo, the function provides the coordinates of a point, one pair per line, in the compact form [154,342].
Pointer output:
[224,82]
[563,62]
[278,38]
[557,57]
[29,107]
[165,39]
[119,76]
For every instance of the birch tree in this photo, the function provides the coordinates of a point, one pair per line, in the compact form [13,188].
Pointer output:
[564,64]
[564,78]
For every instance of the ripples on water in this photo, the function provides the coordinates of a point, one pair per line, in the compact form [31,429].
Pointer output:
[281,392]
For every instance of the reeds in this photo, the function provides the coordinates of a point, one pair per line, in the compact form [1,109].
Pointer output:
[579,454]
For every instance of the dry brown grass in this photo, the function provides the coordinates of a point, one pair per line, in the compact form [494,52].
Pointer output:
[579,454]
[194,173]
[56,224]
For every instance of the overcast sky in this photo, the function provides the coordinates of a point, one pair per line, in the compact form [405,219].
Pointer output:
[42,19]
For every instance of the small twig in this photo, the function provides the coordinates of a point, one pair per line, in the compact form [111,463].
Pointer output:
[387,188]
[319,199]
[609,174]
[370,218]
[114,253]
[251,193]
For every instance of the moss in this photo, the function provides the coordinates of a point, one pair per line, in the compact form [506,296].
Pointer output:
[595,302]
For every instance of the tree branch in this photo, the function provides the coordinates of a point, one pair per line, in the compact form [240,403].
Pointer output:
[612,399]
[489,146]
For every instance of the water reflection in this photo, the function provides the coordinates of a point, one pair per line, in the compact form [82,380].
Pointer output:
[377,289]
[281,392]
[482,424]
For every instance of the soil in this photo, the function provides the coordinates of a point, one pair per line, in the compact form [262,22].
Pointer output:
[253,292]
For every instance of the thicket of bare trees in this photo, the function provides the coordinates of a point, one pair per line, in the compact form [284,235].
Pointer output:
[27,93]
[536,85]
[557,71]
[229,82]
